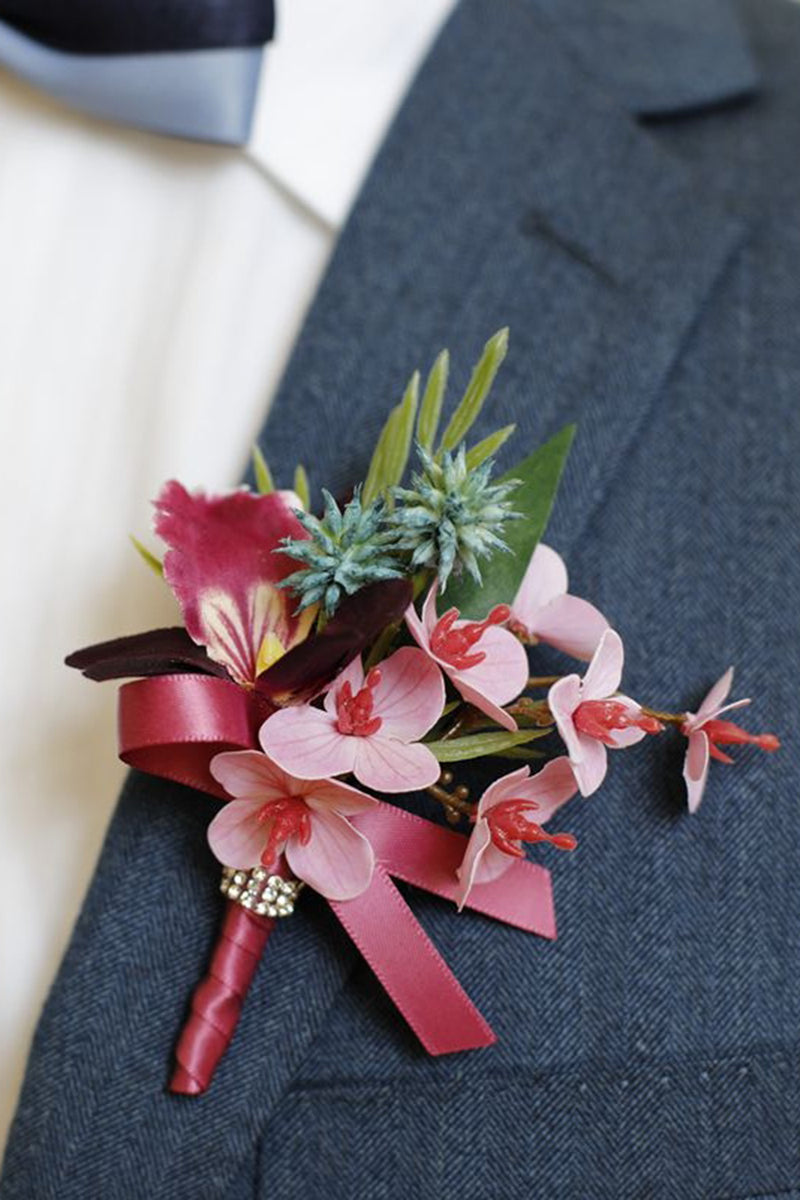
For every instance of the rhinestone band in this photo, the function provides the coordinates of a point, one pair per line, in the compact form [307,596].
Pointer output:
[261,893]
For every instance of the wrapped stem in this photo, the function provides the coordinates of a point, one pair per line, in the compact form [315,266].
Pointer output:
[253,902]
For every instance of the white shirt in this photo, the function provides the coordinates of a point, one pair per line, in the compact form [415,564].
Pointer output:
[150,294]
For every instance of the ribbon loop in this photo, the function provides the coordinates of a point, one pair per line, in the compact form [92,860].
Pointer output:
[173,725]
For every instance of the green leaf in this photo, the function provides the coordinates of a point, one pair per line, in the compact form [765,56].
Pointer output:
[522,753]
[539,477]
[478,389]
[488,447]
[481,745]
[153,563]
[301,486]
[394,445]
[431,407]
[264,481]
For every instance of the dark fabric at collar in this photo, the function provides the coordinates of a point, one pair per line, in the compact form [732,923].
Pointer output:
[658,56]
[140,26]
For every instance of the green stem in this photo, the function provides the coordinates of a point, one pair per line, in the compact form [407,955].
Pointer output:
[667,717]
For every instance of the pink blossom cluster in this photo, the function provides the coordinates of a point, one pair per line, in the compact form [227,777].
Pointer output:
[289,798]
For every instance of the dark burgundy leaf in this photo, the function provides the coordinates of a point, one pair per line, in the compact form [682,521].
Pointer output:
[158,652]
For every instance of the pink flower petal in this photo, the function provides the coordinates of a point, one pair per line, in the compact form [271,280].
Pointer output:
[248,774]
[337,861]
[718,712]
[352,674]
[622,738]
[410,696]
[429,615]
[572,625]
[504,788]
[713,706]
[388,765]
[416,628]
[717,695]
[590,768]
[236,836]
[479,841]
[305,742]
[476,698]
[604,673]
[549,788]
[562,699]
[545,579]
[221,566]
[329,794]
[503,674]
[695,768]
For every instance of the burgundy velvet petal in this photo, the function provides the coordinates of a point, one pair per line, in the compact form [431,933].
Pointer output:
[308,668]
[157,652]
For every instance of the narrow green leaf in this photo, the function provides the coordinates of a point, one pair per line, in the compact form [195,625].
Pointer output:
[301,486]
[431,407]
[488,447]
[477,391]
[481,745]
[263,475]
[522,753]
[394,445]
[539,477]
[155,564]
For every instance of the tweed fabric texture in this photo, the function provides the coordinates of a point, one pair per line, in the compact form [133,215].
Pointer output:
[646,256]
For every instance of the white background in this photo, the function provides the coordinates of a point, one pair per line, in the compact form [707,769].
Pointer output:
[150,292]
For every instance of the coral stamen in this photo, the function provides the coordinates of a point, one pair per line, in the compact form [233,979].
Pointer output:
[288,815]
[726,733]
[354,713]
[509,826]
[454,646]
[599,718]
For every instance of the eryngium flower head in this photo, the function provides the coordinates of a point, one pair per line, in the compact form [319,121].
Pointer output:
[345,551]
[450,517]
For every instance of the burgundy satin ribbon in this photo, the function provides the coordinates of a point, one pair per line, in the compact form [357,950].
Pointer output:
[218,998]
[172,726]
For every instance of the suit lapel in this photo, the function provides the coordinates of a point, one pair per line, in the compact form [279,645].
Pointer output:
[512,190]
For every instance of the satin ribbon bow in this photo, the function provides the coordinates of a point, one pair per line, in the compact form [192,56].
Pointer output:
[172,726]
[189,68]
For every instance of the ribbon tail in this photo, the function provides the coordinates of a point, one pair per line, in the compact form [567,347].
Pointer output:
[218,999]
[428,856]
[411,969]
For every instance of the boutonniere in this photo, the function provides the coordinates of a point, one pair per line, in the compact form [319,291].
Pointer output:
[332,659]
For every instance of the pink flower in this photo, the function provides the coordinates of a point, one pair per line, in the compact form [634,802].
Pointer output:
[590,716]
[222,566]
[369,726]
[503,821]
[706,733]
[487,664]
[543,610]
[305,819]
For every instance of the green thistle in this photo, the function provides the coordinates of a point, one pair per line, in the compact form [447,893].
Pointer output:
[346,550]
[451,516]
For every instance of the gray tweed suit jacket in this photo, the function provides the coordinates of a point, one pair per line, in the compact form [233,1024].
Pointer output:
[620,183]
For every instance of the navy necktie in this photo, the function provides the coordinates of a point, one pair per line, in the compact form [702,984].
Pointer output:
[189,68]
